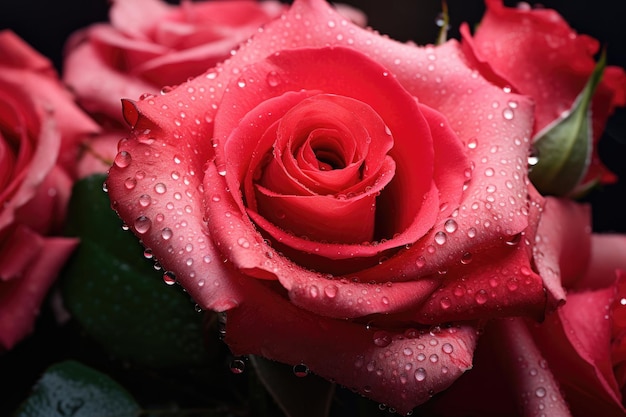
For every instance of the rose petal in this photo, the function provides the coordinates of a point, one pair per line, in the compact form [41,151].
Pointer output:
[533,378]
[607,255]
[165,209]
[21,297]
[576,343]
[29,178]
[400,369]
[561,252]
[137,18]
[99,88]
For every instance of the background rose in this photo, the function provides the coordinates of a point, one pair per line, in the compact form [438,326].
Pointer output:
[150,44]
[38,121]
[444,259]
[541,56]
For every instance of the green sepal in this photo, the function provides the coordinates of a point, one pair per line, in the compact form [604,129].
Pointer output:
[72,389]
[118,297]
[565,147]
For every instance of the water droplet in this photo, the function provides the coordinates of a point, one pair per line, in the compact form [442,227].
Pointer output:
[160,188]
[514,240]
[540,392]
[481,297]
[142,224]
[450,226]
[331,291]
[440,238]
[273,79]
[472,143]
[382,338]
[447,348]
[407,351]
[166,233]
[237,366]
[144,200]
[420,262]
[300,370]
[169,278]
[445,303]
[508,114]
[420,374]
[122,159]
[147,253]
[471,232]
[243,242]
[241,83]
[130,183]
[466,258]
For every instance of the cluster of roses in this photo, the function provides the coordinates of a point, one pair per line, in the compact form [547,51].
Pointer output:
[351,203]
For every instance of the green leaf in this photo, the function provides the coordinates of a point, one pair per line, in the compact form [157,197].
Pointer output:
[306,396]
[72,389]
[117,296]
[565,147]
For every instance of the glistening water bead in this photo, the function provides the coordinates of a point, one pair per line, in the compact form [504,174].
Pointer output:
[300,370]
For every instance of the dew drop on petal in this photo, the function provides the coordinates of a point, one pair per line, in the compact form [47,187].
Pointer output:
[420,374]
[447,348]
[144,200]
[142,224]
[481,297]
[450,226]
[300,370]
[122,159]
[382,338]
[130,183]
[331,291]
[243,242]
[273,79]
[169,278]
[166,233]
[440,238]
[237,366]
[160,188]
[466,258]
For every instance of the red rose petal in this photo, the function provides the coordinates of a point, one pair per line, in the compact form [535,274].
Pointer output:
[561,252]
[400,368]
[21,297]
[576,341]
[99,86]
[532,377]
[607,256]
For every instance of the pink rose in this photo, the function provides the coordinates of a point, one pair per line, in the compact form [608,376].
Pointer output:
[541,56]
[352,203]
[570,364]
[39,131]
[150,44]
